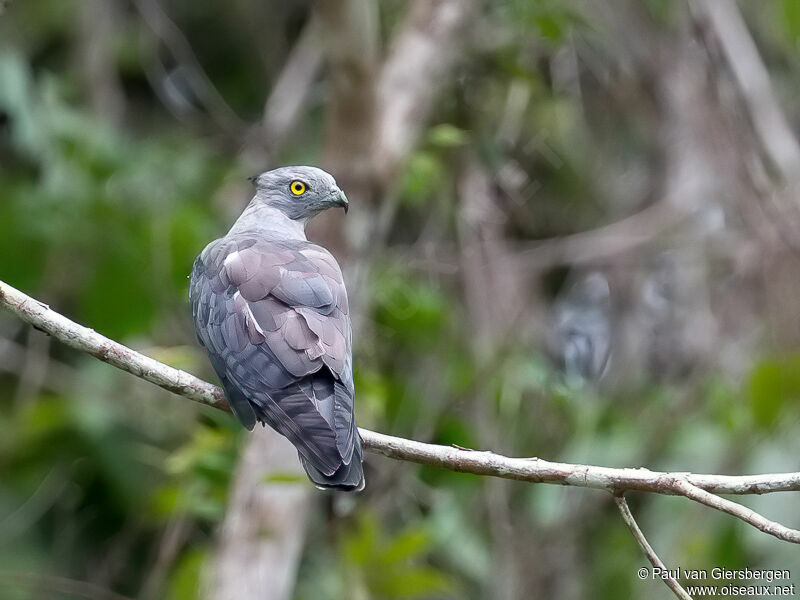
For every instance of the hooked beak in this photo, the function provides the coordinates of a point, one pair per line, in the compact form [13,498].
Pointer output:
[341,200]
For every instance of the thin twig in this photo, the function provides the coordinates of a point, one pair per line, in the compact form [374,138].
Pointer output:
[170,34]
[684,488]
[627,516]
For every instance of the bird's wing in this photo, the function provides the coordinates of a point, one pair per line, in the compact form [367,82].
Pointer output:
[274,319]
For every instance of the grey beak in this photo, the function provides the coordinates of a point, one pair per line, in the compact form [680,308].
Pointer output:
[341,200]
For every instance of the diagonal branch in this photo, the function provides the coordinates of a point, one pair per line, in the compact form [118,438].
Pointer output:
[684,488]
[696,487]
[88,340]
[627,516]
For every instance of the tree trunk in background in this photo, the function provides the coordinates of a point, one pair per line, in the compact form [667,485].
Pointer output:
[262,535]
[351,43]
[96,57]
[495,293]
[377,111]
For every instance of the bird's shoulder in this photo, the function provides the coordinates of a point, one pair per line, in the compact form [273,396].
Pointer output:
[243,256]
[289,295]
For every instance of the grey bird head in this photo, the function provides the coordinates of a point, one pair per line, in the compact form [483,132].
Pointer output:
[299,192]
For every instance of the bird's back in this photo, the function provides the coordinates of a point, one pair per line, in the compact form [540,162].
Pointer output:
[272,313]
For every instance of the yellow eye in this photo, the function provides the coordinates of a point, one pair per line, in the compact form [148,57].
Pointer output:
[298,188]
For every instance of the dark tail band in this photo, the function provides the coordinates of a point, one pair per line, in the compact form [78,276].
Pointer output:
[347,478]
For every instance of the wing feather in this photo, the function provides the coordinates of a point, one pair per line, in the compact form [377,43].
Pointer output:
[274,318]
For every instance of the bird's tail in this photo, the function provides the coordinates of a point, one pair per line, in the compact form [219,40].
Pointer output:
[347,478]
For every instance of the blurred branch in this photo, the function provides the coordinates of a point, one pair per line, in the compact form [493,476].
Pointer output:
[753,82]
[607,241]
[730,42]
[35,362]
[670,581]
[63,586]
[172,539]
[173,38]
[259,545]
[421,58]
[698,487]
[351,37]
[97,29]
[40,501]
[291,89]
[14,357]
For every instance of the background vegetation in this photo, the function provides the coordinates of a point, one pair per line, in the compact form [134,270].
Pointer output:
[548,143]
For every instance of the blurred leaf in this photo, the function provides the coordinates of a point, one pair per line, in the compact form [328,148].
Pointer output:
[412,582]
[359,544]
[185,581]
[285,478]
[791,19]
[457,536]
[388,565]
[773,384]
[551,19]
[447,136]
[413,309]
[209,449]
[423,178]
[406,545]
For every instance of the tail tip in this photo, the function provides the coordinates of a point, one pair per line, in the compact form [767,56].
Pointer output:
[347,478]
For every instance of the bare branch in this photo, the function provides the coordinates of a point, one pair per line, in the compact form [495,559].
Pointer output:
[747,515]
[537,470]
[87,340]
[670,581]
[697,487]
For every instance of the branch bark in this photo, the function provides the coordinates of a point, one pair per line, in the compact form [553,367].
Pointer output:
[702,488]
[657,563]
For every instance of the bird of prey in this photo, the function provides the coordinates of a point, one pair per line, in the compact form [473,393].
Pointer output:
[580,337]
[271,309]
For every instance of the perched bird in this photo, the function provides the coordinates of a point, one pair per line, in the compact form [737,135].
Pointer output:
[580,338]
[271,309]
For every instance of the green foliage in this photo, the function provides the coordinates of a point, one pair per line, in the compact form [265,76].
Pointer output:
[186,580]
[200,473]
[773,385]
[425,180]
[103,210]
[381,566]
[409,309]
[552,20]
[104,224]
[791,19]
[103,218]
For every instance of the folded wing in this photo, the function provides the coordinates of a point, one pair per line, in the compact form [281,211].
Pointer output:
[273,316]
